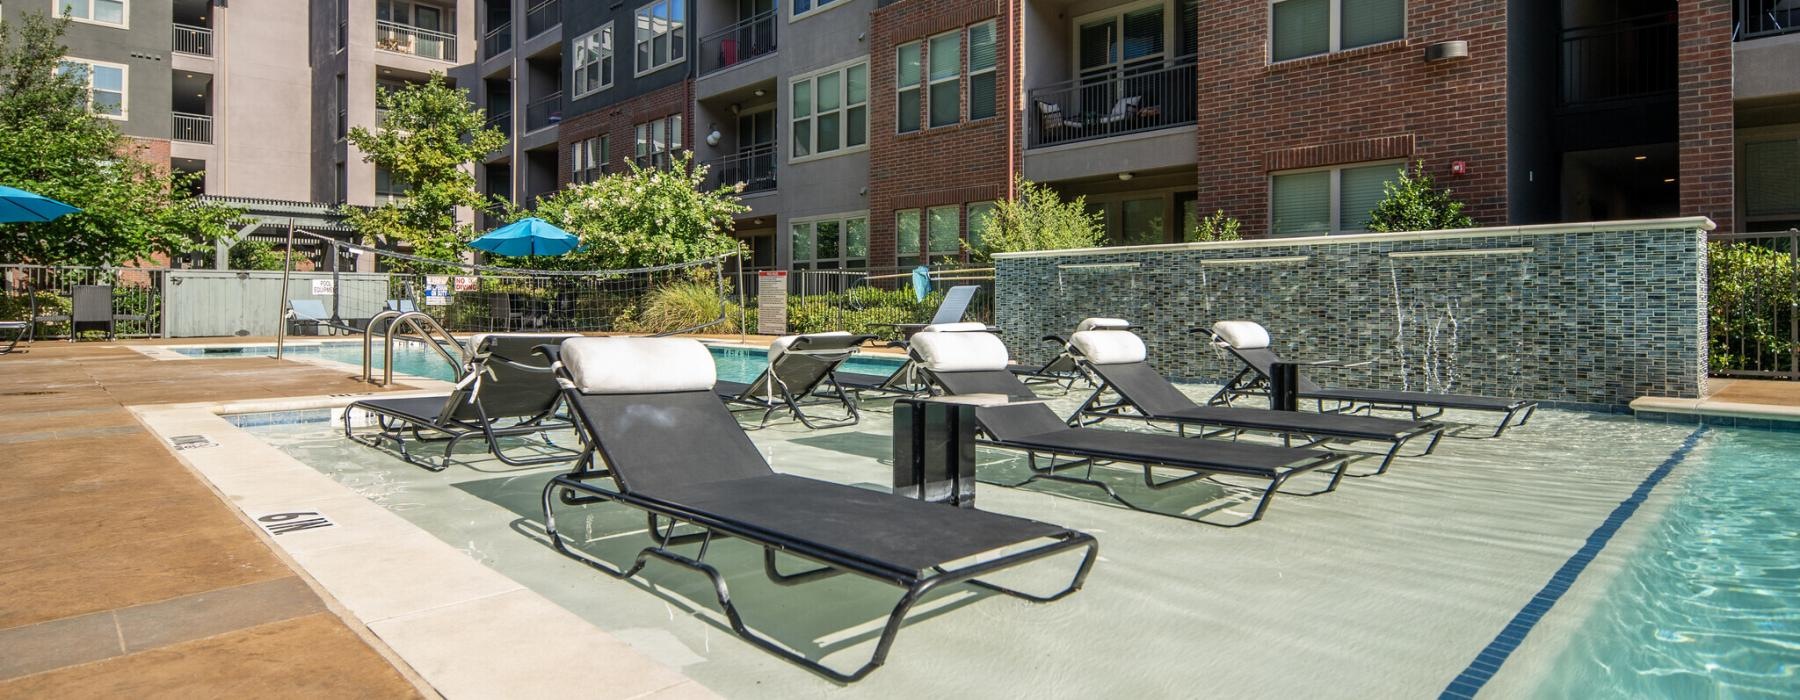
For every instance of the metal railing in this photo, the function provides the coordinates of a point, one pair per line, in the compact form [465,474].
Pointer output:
[503,122]
[497,41]
[1754,304]
[193,128]
[543,111]
[192,39]
[1620,60]
[1762,18]
[407,39]
[1127,101]
[430,334]
[44,296]
[542,17]
[755,167]
[751,37]
[871,300]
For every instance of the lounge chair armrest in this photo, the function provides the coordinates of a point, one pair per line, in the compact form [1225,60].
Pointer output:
[521,367]
[553,353]
[1054,338]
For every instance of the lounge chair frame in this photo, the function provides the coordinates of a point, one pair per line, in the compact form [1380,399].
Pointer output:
[19,329]
[777,394]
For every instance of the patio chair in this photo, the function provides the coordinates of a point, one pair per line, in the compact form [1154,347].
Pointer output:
[968,364]
[904,380]
[1249,342]
[310,314]
[952,309]
[1062,369]
[1117,359]
[1050,117]
[667,446]
[18,330]
[401,305]
[1126,108]
[505,382]
[799,366]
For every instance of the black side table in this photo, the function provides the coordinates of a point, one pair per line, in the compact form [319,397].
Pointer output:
[934,450]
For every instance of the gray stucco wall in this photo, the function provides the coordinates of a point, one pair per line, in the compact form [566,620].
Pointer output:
[143,46]
[1592,315]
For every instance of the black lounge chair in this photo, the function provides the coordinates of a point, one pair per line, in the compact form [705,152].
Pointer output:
[799,366]
[905,380]
[646,409]
[1117,359]
[1249,342]
[968,364]
[18,330]
[505,382]
[951,309]
[1062,369]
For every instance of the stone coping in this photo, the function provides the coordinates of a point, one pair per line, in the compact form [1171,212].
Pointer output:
[1711,407]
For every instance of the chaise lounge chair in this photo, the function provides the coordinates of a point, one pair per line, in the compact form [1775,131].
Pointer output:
[506,382]
[1117,359]
[18,330]
[1063,370]
[1249,342]
[647,411]
[976,363]
[799,365]
[905,380]
[954,306]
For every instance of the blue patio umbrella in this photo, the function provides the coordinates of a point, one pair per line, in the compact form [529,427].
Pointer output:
[527,236]
[17,205]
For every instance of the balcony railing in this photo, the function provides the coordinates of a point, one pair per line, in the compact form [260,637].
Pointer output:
[1122,102]
[497,41]
[194,40]
[1760,18]
[755,167]
[192,128]
[754,36]
[1629,58]
[503,122]
[543,111]
[541,17]
[407,39]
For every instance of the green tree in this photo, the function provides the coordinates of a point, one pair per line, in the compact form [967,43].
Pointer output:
[1414,203]
[1037,218]
[254,255]
[429,139]
[52,145]
[1216,227]
[639,218]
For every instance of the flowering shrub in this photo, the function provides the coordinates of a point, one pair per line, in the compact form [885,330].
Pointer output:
[640,218]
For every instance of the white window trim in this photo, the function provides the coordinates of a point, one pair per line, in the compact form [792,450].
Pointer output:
[962,71]
[606,79]
[918,87]
[1336,194]
[57,6]
[843,107]
[124,86]
[843,220]
[816,9]
[639,71]
[1334,29]
[968,50]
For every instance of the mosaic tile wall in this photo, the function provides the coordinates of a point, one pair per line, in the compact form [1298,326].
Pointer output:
[1574,317]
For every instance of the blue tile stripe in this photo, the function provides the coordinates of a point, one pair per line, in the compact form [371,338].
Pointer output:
[1488,662]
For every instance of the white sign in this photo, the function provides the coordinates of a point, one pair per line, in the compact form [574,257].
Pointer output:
[437,290]
[324,288]
[191,442]
[284,522]
[771,302]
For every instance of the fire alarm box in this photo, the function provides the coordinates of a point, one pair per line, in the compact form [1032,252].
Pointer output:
[1458,167]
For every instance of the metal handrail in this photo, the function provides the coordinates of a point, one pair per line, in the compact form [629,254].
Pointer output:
[541,17]
[191,39]
[407,39]
[426,334]
[748,38]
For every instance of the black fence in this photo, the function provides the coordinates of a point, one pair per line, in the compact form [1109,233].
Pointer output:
[1630,58]
[1762,18]
[751,37]
[1754,298]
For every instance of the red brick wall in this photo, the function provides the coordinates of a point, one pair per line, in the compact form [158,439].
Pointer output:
[1381,101]
[1704,110]
[954,164]
[152,151]
[618,121]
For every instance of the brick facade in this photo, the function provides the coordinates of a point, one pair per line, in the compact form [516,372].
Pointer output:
[956,164]
[152,151]
[618,122]
[1373,102]
[1704,110]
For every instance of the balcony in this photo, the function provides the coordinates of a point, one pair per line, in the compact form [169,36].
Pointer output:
[503,122]
[497,41]
[1621,60]
[749,38]
[543,112]
[406,39]
[193,40]
[1122,102]
[755,167]
[1764,18]
[542,17]
[192,128]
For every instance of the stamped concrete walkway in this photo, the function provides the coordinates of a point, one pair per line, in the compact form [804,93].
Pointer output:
[122,574]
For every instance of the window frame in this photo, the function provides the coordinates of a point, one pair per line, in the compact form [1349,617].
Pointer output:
[918,233]
[1334,31]
[57,8]
[842,219]
[962,68]
[969,72]
[675,29]
[812,115]
[1745,138]
[818,6]
[1171,34]
[124,85]
[917,87]
[1335,194]
[589,158]
[669,127]
[606,74]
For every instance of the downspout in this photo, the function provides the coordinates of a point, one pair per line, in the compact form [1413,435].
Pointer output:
[1015,82]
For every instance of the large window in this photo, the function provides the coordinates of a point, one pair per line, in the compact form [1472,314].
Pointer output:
[661,35]
[935,67]
[831,111]
[946,79]
[1771,183]
[942,229]
[105,85]
[113,12]
[832,243]
[587,158]
[909,82]
[982,70]
[593,59]
[805,8]
[981,215]
[656,140]
[1113,42]
[1332,200]
[1299,28]
[906,236]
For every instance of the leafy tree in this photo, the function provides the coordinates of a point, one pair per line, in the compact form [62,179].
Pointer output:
[1216,227]
[254,255]
[429,138]
[1037,218]
[640,218]
[52,145]
[1414,203]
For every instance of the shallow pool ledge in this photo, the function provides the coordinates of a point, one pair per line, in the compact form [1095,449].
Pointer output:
[1711,412]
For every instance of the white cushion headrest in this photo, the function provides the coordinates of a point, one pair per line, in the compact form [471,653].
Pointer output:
[1103,324]
[1109,347]
[780,345]
[958,327]
[959,352]
[1243,335]
[638,365]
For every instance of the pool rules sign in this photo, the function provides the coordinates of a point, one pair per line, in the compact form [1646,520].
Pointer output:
[771,302]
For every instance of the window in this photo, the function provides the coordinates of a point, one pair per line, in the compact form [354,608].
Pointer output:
[1299,28]
[906,235]
[114,12]
[909,79]
[943,234]
[105,85]
[831,111]
[834,243]
[1333,200]
[806,8]
[1141,221]
[1109,44]
[982,73]
[388,187]
[946,74]
[593,59]
[587,158]
[981,215]
[656,140]
[661,34]
[1771,183]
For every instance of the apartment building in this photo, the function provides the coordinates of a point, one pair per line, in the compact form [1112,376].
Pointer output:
[520,78]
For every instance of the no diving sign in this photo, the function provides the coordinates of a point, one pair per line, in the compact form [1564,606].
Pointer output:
[282,523]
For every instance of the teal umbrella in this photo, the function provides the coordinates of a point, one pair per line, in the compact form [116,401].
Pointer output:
[17,205]
[527,236]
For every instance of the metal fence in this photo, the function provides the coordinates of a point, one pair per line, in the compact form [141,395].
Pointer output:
[1762,18]
[1754,298]
[130,306]
[755,167]
[867,300]
[1633,57]
[543,111]
[193,128]
[194,40]
[749,38]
